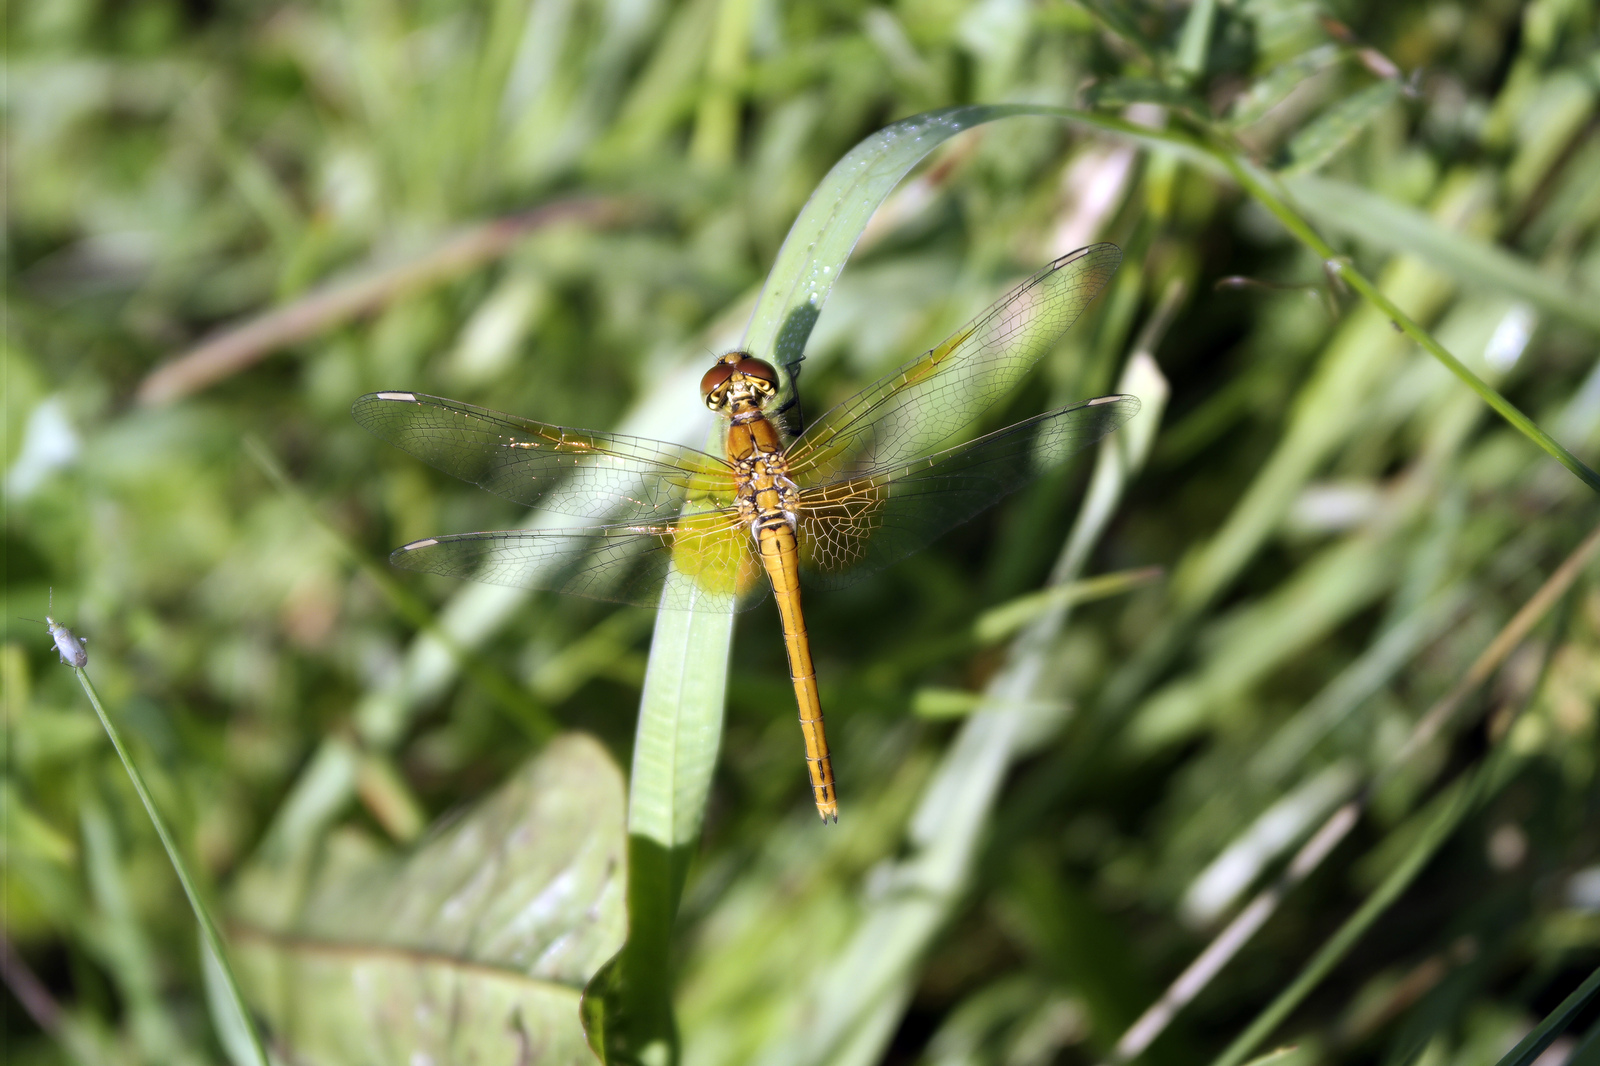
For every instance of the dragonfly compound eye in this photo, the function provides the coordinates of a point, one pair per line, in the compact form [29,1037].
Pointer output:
[763,377]
[714,386]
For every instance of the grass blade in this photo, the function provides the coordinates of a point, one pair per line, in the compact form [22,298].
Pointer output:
[834,218]
[1341,207]
[230,1028]
[1339,125]
[1337,946]
[1252,917]
[628,1006]
[1257,186]
[1530,1047]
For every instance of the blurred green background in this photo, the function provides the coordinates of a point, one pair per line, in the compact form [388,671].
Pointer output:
[1343,526]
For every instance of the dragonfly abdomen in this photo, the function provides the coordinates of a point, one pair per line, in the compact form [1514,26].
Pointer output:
[781,558]
[767,500]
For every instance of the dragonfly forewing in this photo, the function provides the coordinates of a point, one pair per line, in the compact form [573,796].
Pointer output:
[930,401]
[618,563]
[864,523]
[578,472]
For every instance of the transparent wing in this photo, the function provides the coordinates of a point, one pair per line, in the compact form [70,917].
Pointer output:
[620,563]
[870,521]
[578,472]
[924,404]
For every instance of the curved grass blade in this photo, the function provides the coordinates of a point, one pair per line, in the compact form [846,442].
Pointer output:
[627,1008]
[1259,187]
[832,222]
[1348,209]
[235,1027]
[1249,920]
[790,303]
[1530,1047]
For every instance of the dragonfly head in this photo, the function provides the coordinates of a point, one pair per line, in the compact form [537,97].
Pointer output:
[739,381]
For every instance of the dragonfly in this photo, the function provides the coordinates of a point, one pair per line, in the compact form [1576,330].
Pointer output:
[869,482]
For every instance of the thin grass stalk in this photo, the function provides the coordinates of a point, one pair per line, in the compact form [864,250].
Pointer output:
[208,928]
[1258,186]
[1530,1047]
[1470,789]
[1215,152]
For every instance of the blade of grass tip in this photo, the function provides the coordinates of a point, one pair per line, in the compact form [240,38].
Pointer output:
[862,993]
[208,929]
[1257,184]
[531,716]
[1530,1047]
[1000,622]
[833,219]
[1249,921]
[1196,38]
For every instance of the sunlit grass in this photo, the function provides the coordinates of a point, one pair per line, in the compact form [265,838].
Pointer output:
[1345,496]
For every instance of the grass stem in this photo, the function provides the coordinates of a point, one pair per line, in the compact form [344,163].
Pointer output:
[1258,186]
[208,928]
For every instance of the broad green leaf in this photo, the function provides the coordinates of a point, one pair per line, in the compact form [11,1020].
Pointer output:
[472,948]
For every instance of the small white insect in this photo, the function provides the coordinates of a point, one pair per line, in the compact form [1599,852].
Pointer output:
[70,647]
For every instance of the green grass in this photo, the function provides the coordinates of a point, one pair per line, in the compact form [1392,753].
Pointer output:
[1337,760]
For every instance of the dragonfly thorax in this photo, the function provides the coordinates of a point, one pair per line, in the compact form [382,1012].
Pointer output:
[738,383]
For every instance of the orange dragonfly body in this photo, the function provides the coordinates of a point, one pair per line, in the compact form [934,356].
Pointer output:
[871,481]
